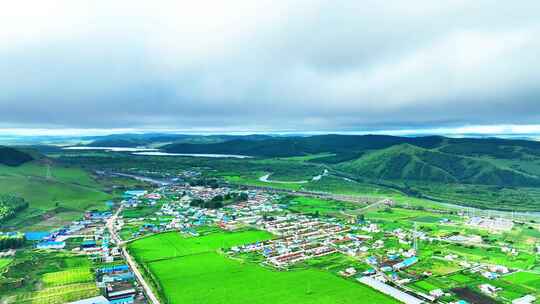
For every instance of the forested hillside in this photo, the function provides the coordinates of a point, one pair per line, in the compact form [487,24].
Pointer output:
[13,157]
[489,161]
[407,162]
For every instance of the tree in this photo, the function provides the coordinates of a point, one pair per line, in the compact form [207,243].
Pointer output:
[196,202]
[243,197]
[217,198]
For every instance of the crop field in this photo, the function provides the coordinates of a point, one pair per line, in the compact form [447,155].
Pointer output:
[435,266]
[175,265]
[512,286]
[60,294]
[228,281]
[395,214]
[47,278]
[173,244]
[446,282]
[142,211]
[70,276]
[493,256]
[4,263]
[311,205]
[527,280]
[333,263]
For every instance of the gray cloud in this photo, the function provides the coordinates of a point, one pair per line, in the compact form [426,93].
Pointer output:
[305,65]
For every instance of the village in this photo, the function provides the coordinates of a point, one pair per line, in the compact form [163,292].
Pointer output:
[384,254]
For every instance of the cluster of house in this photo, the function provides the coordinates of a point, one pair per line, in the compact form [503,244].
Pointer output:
[92,239]
[300,238]
[497,224]
[186,217]
[136,198]
[119,284]
[492,291]
[57,239]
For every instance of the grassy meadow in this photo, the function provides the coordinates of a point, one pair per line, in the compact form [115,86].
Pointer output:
[310,205]
[52,201]
[193,270]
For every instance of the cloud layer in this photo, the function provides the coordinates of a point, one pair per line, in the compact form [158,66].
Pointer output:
[269,65]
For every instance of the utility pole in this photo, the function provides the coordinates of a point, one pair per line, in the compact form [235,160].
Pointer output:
[48,174]
[415,238]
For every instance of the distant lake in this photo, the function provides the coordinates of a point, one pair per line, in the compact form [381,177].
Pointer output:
[112,149]
[155,153]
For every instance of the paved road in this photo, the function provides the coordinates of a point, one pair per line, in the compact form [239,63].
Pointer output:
[131,262]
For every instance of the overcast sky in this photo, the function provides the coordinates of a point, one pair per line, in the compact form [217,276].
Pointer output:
[269,65]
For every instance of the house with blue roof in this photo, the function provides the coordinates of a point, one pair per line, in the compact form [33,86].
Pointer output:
[93,300]
[51,245]
[36,235]
[134,193]
[111,269]
[126,300]
[406,263]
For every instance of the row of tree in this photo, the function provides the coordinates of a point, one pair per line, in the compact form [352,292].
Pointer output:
[212,183]
[214,203]
[10,205]
[11,242]
[219,201]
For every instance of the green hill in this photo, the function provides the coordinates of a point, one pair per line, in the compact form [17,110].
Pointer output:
[157,139]
[53,201]
[344,146]
[410,163]
[484,161]
[13,157]
[128,143]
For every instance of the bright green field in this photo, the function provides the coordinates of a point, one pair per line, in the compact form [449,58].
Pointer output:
[212,278]
[4,263]
[171,244]
[70,276]
[311,205]
[200,274]
[61,294]
[493,256]
[526,279]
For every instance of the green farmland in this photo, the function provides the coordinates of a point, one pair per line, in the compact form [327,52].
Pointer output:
[173,244]
[311,205]
[527,280]
[46,278]
[4,263]
[175,263]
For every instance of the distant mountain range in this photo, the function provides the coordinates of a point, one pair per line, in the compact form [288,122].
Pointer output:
[158,139]
[489,161]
